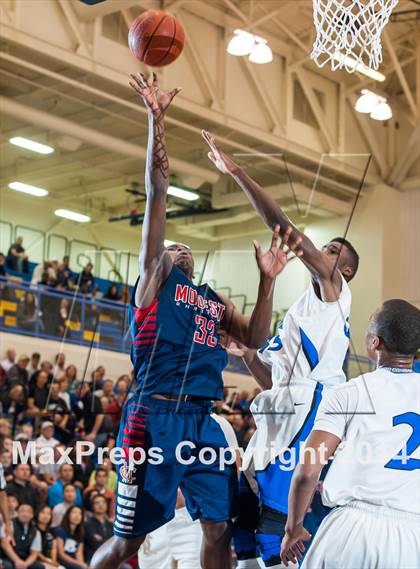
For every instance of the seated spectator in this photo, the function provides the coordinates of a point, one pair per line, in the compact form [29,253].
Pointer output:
[99,488]
[2,265]
[98,528]
[6,460]
[64,390]
[16,259]
[87,280]
[107,425]
[45,366]
[17,374]
[46,438]
[112,479]
[4,291]
[9,360]
[26,429]
[50,473]
[112,293]
[69,500]
[71,375]
[48,554]
[13,505]
[114,410]
[38,395]
[21,486]
[5,430]
[14,403]
[70,538]
[64,274]
[33,365]
[27,312]
[59,368]
[56,491]
[107,390]
[23,552]
[87,406]
[42,272]
[56,405]
[62,317]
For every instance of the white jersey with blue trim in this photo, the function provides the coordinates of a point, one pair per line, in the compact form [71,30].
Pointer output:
[312,341]
[376,416]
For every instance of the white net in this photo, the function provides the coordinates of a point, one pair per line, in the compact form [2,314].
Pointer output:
[348,33]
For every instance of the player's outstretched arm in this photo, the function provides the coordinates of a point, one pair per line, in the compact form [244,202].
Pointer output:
[260,372]
[154,263]
[272,214]
[304,481]
[254,331]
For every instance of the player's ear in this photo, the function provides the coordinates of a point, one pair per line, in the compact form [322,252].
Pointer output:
[347,272]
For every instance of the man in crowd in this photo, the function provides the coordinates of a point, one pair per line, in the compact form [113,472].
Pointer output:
[21,486]
[17,260]
[23,552]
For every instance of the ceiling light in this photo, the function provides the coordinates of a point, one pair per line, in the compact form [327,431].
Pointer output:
[72,215]
[183,194]
[241,43]
[261,53]
[27,189]
[382,112]
[359,67]
[367,101]
[31,145]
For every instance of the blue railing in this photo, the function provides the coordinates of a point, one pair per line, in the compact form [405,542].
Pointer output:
[62,316]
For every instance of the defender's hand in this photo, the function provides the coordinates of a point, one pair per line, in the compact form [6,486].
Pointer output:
[292,547]
[155,99]
[272,263]
[221,160]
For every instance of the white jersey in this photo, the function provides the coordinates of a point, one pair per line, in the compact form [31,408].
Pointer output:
[377,418]
[312,340]
[310,348]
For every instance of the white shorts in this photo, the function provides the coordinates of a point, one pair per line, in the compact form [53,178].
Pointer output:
[363,536]
[176,544]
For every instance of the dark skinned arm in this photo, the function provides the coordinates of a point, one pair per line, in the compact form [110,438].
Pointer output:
[320,266]
[304,481]
[154,263]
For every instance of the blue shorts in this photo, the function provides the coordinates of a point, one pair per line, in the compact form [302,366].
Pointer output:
[146,495]
[274,481]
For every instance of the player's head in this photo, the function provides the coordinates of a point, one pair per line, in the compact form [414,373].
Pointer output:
[394,329]
[344,255]
[182,258]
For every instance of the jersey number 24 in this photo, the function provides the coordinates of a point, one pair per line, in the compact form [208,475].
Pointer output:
[403,461]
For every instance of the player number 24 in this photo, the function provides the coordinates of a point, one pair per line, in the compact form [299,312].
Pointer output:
[403,460]
[205,331]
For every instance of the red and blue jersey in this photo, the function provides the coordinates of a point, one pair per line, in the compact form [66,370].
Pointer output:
[176,348]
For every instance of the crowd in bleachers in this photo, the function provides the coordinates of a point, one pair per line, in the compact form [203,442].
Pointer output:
[65,511]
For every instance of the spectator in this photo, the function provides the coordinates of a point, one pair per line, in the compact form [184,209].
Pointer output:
[112,293]
[65,274]
[23,552]
[14,403]
[50,472]
[59,368]
[89,408]
[46,438]
[115,408]
[99,488]
[6,459]
[71,375]
[38,395]
[69,500]
[64,390]
[87,280]
[57,405]
[70,540]
[2,265]
[62,317]
[42,272]
[33,365]
[48,554]
[16,259]
[4,291]
[126,295]
[98,527]
[107,390]
[56,491]
[21,487]
[13,505]
[17,374]
[112,480]
[107,425]
[9,360]
[5,428]
[45,366]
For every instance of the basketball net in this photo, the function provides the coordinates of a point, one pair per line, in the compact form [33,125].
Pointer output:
[348,33]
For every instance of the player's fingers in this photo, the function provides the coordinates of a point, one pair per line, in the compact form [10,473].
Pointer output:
[139,79]
[286,236]
[136,87]
[145,81]
[206,136]
[275,236]
[136,80]
[155,79]
[300,546]
[212,157]
[174,92]
[297,552]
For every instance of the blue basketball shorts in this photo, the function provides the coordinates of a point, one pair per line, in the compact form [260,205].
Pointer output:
[181,444]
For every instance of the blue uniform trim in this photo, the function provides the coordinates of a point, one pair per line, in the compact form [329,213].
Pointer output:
[309,350]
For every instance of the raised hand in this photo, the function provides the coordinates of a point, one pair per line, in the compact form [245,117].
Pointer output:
[272,263]
[156,99]
[221,160]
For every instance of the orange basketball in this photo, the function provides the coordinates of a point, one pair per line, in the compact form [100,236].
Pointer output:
[156,38]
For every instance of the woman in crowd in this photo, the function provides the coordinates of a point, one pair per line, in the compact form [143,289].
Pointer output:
[70,540]
[27,312]
[48,555]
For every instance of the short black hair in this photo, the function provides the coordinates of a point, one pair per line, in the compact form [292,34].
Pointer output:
[398,325]
[353,254]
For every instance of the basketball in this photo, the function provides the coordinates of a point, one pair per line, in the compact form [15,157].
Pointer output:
[156,38]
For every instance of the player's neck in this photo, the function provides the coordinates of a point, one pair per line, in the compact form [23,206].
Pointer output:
[394,360]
